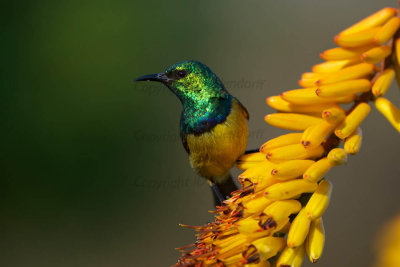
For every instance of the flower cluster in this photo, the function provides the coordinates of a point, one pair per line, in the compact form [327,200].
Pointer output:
[276,217]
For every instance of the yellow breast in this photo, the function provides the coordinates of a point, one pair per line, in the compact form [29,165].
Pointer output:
[213,154]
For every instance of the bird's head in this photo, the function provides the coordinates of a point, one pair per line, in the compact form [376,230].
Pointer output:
[190,80]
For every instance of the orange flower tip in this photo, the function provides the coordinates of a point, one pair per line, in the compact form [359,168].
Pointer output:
[326,114]
[364,56]
[306,176]
[290,245]
[318,82]
[318,91]
[305,143]
[274,172]
[336,38]
[269,155]
[338,133]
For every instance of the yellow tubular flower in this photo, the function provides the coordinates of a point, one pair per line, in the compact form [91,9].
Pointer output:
[340,57]
[292,257]
[334,115]
[337,156]
[315,241]
[291,121]
[344,88]
[291,169]
[353,72]
[298,230]
[388,246]
[275,218]
[283,140]
[336,65]
[352,121]
[388,110]
[317,171]
[249,160]
[352,144]
[314,135]
[386,32]
[358,38]
[296,151]
[307,96]
[376,54]
[278,103]
[289,189]
[382,84]
[376,19]
[319,201]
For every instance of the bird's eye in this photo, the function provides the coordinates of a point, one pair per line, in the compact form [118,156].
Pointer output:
[181,73]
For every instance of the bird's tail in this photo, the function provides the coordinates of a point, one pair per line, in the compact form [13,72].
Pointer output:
[225,188]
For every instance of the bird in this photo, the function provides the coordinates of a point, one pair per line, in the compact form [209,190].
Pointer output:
[213,123]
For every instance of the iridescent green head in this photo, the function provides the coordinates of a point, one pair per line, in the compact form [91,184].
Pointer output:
[190,80]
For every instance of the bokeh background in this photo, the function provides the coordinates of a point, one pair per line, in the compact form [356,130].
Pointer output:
[92,169]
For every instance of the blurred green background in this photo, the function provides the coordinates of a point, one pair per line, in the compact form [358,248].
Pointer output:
[92,169]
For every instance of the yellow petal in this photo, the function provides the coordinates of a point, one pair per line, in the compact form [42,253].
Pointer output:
[296,151]
[352,121]
[283,140]
[291,121]
[383,82]
[387,31]
[358,38]
[388,110]
[376,19]
[344,88]
[376,54]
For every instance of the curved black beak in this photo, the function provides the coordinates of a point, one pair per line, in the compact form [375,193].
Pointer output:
[158,77]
